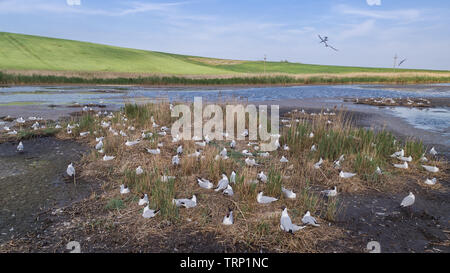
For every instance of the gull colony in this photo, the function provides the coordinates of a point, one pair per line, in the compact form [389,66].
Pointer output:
[226,183]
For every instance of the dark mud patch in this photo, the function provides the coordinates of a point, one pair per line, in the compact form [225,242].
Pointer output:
[378,217]
[33,182]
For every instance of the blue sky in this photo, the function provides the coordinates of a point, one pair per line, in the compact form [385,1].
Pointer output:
[366,32]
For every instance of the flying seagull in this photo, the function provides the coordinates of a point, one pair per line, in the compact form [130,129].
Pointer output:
[402,61]
[324,40]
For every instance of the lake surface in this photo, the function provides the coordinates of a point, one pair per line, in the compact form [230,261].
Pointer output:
[435,119]
[119,95]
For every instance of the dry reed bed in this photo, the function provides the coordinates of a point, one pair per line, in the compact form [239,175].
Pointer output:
[256,225]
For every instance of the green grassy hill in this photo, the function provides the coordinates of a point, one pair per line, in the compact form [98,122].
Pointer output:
[26,52]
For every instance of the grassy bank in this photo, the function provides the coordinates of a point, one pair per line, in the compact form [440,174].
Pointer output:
[17,79]
[27,59]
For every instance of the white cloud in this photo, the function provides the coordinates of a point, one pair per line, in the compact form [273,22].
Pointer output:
[373,2]
[73,2]
[362,29]
[402,14]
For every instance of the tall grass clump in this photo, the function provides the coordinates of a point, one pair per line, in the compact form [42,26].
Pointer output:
[274,181]
[138,113]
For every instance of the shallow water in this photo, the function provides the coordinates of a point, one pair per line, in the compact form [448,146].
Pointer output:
[119,95]
[430,119]
[33,182]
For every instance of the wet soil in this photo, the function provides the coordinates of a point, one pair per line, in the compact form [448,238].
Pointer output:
[33,181]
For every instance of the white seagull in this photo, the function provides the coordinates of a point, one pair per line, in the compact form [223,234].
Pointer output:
[156,151]
[346,175]
[430,181]
[99,145]
[139,170]
[204,183]
[286,222]
[233,177]
[317,164]
[261,177]
[250,162]
[20,147]
[175,160]
[149,213]
[408,200]
[187,203]
[228,219]
[402,166]
[228,191]
[70,170]
[330,193]
[288,193]
[108,158]
[309,220]
[132,143]
[223,183]
[124,189]
[180,149]
[283,159]
[432,169]
[399,153]
[265,199]
[143,200]
[433,151]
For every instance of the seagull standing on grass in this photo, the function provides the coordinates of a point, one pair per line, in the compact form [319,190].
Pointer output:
[124,189]
[286,222]
[143,200]
[265,199]
[284,160]
[261,177]
[187,203]
[432,169]
[175,160]
[330,193]
[99,145]
[156,151]
[402,166]
[204,183]
[233,144]
[139,170]
[288,193]
[223,183]
[309,220]
[149,213]
[317,164]
[250,162]
[228,219]
[233,177]
[180,150]
[430,181]
[346,175]
[228,191]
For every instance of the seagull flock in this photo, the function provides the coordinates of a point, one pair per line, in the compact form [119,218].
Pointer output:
[224,185]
